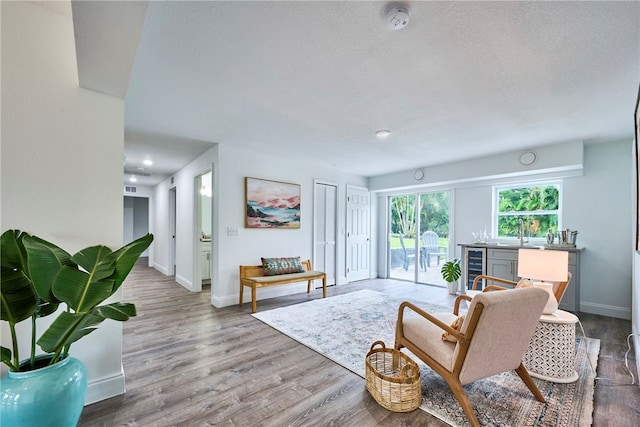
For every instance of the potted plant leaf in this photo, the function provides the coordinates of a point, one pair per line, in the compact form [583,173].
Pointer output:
[37,279]
[451,272]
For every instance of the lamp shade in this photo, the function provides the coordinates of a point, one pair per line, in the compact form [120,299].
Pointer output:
[544,265]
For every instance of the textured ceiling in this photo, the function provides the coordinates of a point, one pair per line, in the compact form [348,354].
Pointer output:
[316,79]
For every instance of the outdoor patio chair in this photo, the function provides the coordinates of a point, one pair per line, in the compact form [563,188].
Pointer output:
[408,258]
[432,248]
[492,339]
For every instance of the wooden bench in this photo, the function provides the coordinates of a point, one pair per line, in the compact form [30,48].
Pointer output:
[252,276]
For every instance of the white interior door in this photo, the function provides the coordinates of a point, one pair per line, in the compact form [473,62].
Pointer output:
[325,229]
[358,234]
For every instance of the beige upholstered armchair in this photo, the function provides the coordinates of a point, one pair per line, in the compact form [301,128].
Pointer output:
[493,338]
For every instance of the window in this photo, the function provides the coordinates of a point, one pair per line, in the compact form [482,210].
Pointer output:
[538,205]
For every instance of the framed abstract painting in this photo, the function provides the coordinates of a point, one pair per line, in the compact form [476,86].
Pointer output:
[271,204]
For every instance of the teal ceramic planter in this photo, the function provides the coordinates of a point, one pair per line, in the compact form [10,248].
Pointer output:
[49,396]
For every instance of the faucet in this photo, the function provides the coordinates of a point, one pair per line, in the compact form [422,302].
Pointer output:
[521,232]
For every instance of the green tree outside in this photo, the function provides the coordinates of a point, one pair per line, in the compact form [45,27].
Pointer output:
[536,206]
[433,209]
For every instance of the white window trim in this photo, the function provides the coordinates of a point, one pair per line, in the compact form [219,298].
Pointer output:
[494,205]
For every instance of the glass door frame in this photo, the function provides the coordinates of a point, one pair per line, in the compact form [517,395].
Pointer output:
[414,244]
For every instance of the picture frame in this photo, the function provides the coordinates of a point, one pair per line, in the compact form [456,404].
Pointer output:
[271,204]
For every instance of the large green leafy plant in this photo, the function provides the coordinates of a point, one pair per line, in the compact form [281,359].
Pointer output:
[451,270]
[38,276]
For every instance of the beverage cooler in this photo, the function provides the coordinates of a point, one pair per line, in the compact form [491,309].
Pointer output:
[474,264]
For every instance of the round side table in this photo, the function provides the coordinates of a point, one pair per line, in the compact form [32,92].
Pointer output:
[552,350]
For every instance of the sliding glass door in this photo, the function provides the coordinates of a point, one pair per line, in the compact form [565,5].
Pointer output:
[403,245]
[419,236]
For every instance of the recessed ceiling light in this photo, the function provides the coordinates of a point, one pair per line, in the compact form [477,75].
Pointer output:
[133,179]
[383,133]
[147,162]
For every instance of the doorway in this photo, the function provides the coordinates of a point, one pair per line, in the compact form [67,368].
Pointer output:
[419,240]
[203,227]
[136,219]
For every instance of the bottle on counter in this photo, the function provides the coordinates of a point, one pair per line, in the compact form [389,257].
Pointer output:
[550,237]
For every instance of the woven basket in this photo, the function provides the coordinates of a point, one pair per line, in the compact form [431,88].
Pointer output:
[393,379]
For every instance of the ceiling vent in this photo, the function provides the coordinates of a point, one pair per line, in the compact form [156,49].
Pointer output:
[396,15]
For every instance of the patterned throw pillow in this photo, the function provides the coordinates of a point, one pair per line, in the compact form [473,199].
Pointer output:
[524,283]
[456,325]
[276,266]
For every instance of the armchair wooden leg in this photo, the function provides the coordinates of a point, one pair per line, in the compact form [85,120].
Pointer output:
[241,294]
[526,378]
[459,394]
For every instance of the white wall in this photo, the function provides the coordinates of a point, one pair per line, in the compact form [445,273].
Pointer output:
[551,159]
[228,211]
[62,146]
[251,244]
[595,203]
[598,205]
[635,276]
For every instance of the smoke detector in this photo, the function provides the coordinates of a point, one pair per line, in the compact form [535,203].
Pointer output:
[396,15]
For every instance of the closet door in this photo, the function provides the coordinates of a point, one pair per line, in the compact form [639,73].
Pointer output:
[325,230]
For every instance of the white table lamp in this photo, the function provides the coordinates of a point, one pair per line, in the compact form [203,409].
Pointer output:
[543,267]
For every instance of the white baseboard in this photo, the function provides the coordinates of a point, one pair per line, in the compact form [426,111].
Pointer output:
[225,301]
[262,293]
[605,310]
[184,282]
[104,388]
[161,269]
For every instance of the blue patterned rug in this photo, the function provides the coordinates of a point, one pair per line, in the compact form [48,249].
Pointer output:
[342,328]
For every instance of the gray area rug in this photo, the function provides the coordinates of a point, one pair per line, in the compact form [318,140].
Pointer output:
[342,328]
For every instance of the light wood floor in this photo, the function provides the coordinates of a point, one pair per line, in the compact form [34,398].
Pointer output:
[190,364]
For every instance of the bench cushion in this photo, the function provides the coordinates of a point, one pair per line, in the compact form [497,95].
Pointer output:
[277,266]
[301,276]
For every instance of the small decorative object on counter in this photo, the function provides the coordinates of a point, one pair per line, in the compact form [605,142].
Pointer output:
[566,239]
[572,237]
[550,237]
